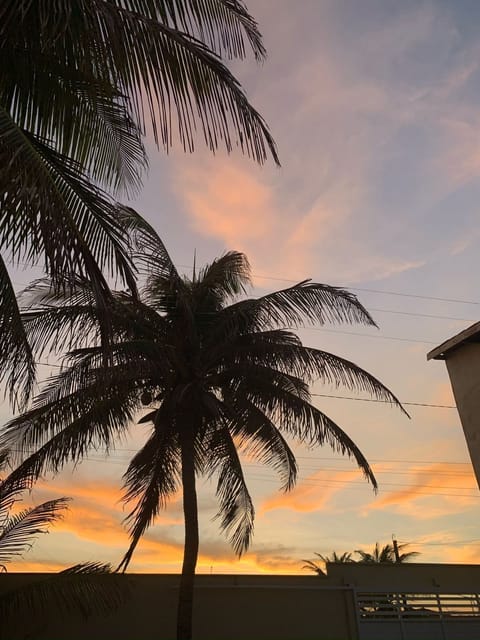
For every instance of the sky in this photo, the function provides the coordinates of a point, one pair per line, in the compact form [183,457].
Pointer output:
[375,108]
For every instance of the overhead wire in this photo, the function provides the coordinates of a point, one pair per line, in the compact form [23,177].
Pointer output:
[365,289]
[344,286]
[442,544]
[332,483]
[325,395]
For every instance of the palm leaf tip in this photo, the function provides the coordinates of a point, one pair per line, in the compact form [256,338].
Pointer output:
[20,530]
[83,590]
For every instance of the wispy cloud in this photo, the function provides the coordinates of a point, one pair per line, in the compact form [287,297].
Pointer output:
[434,490]
[314,493]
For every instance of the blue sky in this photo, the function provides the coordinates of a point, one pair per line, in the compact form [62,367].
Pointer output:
[375,107]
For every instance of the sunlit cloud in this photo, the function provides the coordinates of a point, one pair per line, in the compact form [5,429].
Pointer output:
[377,124]
[434,490]
[312,494]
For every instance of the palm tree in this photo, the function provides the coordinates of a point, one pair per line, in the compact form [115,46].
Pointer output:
[75,82]
[311,565]
[219,373]
[386,554]
[86,589]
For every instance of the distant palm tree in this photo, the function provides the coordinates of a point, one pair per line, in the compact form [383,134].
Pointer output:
[83,589]
[220,375]
[386,554]
[311,565]
[76,79]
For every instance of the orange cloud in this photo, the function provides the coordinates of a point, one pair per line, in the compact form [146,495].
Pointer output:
[469,554]
[441,489]
[26,566]
[311,494]
[101,492]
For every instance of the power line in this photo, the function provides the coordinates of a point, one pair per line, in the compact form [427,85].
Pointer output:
[396,461]
[413,295]
[442,544]
[429,472]
[367,335]
[390,311]
[327,482]
[421,315]
[328,395]
[410,404]
[333,483]
[324,458]
[365,289]
[425,472]
[368,290]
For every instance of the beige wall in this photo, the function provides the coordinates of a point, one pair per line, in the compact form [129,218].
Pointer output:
[257,607]
[463,366]
[226,608]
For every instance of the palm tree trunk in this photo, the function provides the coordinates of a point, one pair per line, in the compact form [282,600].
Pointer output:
[190,552]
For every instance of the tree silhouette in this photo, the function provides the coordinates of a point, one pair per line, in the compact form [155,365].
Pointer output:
[221,376]
[385,554]
[311,565]
[76,80]
[84,589]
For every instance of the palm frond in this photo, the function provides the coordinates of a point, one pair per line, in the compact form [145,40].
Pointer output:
[156,64]
[74,228]
[236,512]
[56,322]
[259,439]
[9,490]
[283,352]
[151,478]
[67,428]
[302,304]
[334,557]
[225,278]
[17,363]
[313,566]
[146,246]
[60,329]
[83,590]
[306,423]
[178,70]
[87,117]
[221,24]
[385,554]
[20,530]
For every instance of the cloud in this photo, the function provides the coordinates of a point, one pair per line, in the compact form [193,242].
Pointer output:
[27,566]
[228,202]
[435,490]
[321,215]
[311,494]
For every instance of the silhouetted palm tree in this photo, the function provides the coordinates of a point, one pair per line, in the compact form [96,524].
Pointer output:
[386,554]
[222,378]
[83,589]
[76,78]
[311,565]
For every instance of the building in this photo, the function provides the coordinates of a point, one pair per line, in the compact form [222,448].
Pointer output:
[462,357]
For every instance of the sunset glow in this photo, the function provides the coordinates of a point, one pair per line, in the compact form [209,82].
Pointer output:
[376,113]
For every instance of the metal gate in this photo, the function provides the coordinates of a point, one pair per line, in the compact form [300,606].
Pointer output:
[417,616]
